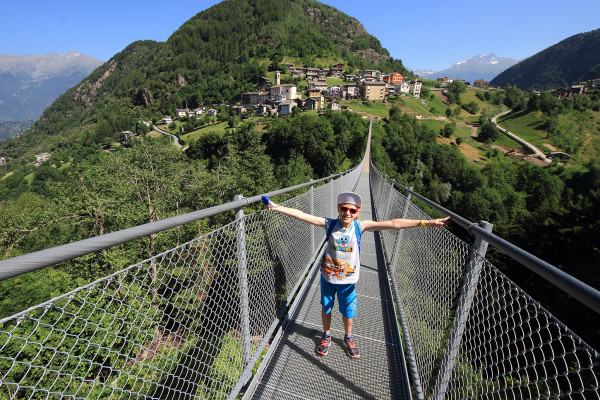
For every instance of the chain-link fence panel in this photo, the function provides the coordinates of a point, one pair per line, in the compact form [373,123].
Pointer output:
[472,332]
[187,323]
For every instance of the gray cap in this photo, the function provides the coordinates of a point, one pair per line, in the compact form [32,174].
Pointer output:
[349,198]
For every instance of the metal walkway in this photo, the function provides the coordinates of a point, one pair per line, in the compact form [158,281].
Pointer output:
[296,371]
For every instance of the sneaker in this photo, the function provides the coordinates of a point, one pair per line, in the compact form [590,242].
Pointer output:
[323,348]
[351,346]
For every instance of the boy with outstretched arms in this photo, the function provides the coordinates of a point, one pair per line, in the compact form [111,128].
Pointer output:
[340,266]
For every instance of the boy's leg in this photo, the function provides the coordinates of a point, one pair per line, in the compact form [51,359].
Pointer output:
[347,301]
[347,325]
[327,300]
[326,320]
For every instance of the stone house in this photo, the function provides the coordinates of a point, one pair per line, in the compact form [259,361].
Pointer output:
[351,91]
[314,103]
[320,86]
[286,106]
[313,92]
[396,77]
[126,136]
[40,158]
[335,91]
[255,98]
[286,91]
[374,90]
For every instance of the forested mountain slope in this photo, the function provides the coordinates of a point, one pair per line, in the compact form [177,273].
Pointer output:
[213,58]
[569,61]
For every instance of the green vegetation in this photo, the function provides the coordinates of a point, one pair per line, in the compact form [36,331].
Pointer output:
[142,182]
[564,125]
[549,211]
[334,81]
[375,108]
[213,58]
[94,185]
[220,128]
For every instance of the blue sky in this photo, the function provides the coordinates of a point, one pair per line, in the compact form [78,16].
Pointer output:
[424,35]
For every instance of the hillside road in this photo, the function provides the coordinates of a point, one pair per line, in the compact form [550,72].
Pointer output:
[538,153]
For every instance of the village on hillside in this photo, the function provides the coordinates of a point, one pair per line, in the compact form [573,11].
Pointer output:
[274,98]
[278,99]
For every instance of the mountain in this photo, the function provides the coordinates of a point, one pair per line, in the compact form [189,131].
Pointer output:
[561,65]
[30,83]
[212,58]
[484,67]
[10,129]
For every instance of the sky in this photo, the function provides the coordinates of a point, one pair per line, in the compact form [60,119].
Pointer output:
[424,35]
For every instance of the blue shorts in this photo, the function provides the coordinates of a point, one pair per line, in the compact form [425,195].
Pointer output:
[346,294]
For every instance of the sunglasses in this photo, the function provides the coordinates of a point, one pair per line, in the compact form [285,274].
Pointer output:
[351,210]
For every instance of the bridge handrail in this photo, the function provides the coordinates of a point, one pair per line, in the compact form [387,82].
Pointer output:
[573,286]
[19,265]
[468,330]
[207,307]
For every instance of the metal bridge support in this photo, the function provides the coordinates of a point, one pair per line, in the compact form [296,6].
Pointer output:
[462,313]
[312,212]
[401,231]
[412,364]
[243,278]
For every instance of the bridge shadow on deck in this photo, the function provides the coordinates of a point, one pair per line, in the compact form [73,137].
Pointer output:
[296,371]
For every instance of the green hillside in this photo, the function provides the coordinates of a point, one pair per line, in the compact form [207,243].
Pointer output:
[574,59]
[213,58]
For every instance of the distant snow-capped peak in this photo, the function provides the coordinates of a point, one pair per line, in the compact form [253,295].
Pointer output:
[482,59]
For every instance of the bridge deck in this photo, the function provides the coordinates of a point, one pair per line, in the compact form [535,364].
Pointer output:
[296,371]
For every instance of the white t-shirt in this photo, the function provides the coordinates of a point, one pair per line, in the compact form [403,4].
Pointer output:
[341,260]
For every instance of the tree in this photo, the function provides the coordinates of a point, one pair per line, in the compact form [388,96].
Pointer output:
[488,133]
[471,107]
[448,130]
[515,98]
[456,88]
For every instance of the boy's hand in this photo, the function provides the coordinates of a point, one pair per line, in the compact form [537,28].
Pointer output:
[437,222]
[268,203]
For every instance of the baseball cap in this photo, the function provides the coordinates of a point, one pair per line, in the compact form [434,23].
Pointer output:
[349,198]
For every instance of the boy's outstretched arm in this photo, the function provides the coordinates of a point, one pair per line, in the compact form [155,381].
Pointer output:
[403,223]
[295,213]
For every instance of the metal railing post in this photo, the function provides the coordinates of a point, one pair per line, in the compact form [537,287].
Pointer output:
[332,201]
[388,204]
[401,231]
[410,354]
[243,279]
[462,312]
[312,212]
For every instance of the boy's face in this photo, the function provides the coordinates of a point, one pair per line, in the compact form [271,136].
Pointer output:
[348,212]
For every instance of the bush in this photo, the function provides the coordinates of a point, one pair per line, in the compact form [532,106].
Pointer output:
[471,107]
[488,133]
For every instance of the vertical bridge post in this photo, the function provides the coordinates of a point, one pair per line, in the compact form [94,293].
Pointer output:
[240,234]
[410,354]
[401,231]
[463,309]
[312,212]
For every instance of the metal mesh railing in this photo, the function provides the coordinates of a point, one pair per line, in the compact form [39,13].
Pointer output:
[470,331]
[188,323]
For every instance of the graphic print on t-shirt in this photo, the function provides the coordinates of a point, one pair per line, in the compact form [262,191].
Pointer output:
[341,262]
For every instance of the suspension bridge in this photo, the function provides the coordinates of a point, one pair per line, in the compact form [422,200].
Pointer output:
[235,314]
